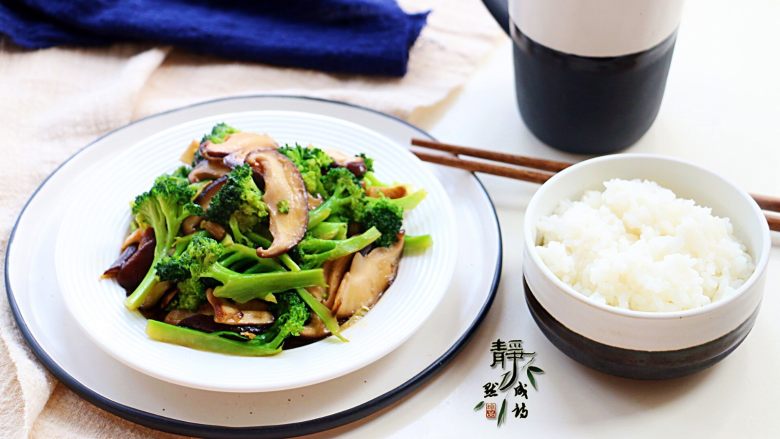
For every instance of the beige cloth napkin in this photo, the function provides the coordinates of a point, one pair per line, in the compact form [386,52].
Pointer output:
[54,101]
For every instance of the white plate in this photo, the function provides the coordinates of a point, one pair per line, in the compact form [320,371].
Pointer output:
[97,221]
[63,347]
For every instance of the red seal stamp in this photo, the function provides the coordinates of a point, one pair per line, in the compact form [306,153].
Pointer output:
[490,410]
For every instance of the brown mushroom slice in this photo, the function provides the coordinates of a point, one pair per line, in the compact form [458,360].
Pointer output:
[207,170]
[355,164]
[317,292]
[133,270]
[113,270]
[206,323]
[177,315]
[214,229]
[208,192]
[254,312]
[190,224]
[387,191]
[368,277]
[315,329]
[157,292]
[133,238]
[283,184]
[312,201]
[236,143]
[334,271]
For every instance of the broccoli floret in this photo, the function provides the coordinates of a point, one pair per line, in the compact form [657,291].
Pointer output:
[192,293]
[291,314]
[283,207]
[385,216]
[314,252]
[239,202]
[182,172]
[312,163]
[163,208]
[205,258]
[345,197]
[219,133]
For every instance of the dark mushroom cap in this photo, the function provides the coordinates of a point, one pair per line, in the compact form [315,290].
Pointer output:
[133,270]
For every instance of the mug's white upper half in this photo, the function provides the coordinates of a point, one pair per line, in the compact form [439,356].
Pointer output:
[597,28]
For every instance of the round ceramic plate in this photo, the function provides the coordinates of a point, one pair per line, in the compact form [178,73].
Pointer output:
[98,202]
[66,350]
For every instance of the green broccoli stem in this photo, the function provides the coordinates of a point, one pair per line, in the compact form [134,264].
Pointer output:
[410,201]
[260,240]
[371,181]
[337,249]
[322,312]
[204,341]
[326,230]
[245,287]
[140,295]
[417,244]
[237,253]
[319,214]
[318,307]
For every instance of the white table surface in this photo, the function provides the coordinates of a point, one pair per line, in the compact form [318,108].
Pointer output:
[721,110]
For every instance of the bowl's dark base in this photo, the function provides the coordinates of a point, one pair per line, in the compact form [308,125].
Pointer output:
[628,363]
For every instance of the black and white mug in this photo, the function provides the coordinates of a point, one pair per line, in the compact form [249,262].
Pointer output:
[590,74]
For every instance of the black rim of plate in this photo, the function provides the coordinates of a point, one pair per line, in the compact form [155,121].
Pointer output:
[328,422]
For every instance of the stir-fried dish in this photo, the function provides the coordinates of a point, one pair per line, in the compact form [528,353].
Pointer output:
[253,247]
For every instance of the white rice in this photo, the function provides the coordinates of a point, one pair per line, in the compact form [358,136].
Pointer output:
[637,246]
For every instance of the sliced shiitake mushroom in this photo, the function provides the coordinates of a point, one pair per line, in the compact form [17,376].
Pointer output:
[177,315]
[133,238]
[254,312]
[214,229]
[237,143]
[208,170]
[135,267]
[312,201]
[283,186]
[315,329]
[387,191]
[205,323]
[368,277]
[113,270]
[191,224]
[354,164]
[334,271]
[208,192]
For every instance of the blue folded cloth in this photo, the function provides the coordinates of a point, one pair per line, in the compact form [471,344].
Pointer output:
[370,37]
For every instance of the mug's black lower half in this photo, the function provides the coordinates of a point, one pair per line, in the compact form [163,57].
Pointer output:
[589,105]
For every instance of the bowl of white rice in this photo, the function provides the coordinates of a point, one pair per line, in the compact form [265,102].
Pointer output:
[644,266]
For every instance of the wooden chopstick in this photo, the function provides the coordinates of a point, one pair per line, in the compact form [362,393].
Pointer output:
[774,222]
[528,162]
[470,165]
[765,202]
